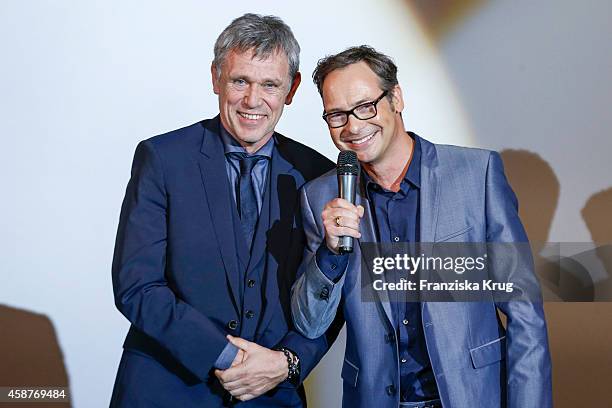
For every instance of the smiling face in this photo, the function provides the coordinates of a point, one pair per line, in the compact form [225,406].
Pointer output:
[372,139]
[252,93]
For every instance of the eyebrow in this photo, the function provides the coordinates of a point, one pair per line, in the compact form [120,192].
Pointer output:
[359,102]
[275,81]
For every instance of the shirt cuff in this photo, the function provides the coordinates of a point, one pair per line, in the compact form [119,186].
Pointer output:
[226,358]
[332,265]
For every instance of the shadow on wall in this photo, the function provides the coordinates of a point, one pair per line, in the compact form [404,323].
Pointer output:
[597,214]
[563,277]
[30,353]
[580,333]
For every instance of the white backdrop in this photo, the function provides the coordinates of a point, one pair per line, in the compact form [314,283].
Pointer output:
[83,81]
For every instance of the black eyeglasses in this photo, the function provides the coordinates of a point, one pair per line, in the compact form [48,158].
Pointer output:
[362,112]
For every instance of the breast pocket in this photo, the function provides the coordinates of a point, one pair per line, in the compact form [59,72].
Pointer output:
[350,373]
[449,236]
[488,353]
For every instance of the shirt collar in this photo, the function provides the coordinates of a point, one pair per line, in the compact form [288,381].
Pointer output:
[231,145]
[413,175]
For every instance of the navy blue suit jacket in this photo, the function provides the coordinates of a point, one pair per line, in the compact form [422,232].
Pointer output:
[175,269]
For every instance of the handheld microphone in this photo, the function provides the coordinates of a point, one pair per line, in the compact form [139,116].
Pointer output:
[348,173]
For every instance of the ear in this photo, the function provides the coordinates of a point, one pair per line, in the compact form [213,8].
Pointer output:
[215,78]
[398,99]
[294,86]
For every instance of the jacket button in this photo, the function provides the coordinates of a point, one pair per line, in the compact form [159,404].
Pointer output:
[250,314]
[390,389]
[232,324]
[324,294]
[251,283]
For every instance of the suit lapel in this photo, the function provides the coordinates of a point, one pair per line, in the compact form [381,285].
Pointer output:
[368,234]
[430,191]
[429,201]
[218,196]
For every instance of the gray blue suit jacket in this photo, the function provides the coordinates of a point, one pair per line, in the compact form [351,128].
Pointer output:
[464,197]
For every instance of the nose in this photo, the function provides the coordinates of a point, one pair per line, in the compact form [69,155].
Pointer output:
[355,125]
[252,98]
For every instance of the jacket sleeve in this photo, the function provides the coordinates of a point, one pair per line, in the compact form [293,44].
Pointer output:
[315,299]
[140,287]
[528,362]
[309,348]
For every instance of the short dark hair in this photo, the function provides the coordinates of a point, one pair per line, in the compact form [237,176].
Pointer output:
[263,34]
[382,65]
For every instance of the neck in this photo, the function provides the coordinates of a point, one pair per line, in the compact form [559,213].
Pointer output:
[252,148]
[390,170]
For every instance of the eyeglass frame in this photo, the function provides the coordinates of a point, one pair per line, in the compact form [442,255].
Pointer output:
[352,111]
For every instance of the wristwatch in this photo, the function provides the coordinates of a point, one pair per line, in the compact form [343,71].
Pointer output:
[293,363]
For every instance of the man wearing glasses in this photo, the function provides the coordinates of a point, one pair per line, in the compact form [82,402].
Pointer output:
[412,354]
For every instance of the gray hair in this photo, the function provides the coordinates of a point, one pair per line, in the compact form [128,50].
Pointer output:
[262,34]
[382,65]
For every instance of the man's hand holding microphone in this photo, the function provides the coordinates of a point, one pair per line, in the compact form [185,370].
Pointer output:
[341,219]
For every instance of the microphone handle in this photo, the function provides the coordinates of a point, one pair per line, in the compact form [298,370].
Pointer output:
[347,189]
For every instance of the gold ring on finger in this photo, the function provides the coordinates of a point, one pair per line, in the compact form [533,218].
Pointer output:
[338,221]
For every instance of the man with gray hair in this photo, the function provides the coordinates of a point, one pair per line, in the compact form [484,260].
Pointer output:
[209,242]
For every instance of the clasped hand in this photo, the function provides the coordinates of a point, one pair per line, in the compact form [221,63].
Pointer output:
[254,371]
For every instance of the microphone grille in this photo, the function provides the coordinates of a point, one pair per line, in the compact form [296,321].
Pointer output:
[347,163]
